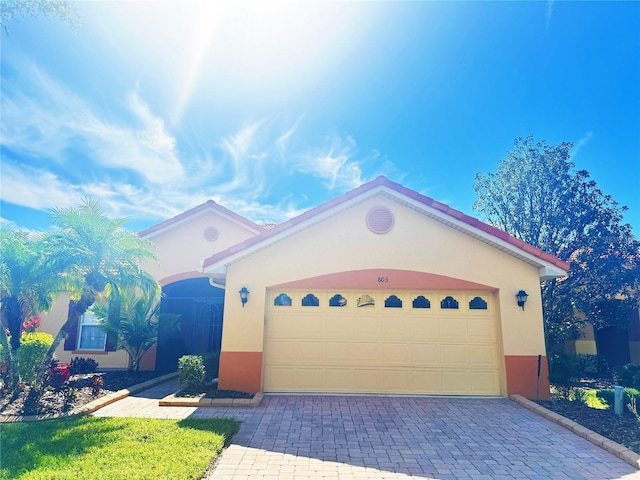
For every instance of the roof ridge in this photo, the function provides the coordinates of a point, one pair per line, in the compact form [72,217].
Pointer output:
[382,181]
[212,204]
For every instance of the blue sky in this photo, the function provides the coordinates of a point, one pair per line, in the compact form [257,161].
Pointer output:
[156,107]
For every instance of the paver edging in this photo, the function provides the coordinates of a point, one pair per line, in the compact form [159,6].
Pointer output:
[620,451]
[93,405]
[173,401]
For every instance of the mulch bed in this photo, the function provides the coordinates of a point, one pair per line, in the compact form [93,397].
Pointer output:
[76,393]
[211,391]
[624,430]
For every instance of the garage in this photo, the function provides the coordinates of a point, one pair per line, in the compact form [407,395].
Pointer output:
[384,291]
[395,342]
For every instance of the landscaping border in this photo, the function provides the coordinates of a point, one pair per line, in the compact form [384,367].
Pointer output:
[93,405]
[173,401]
[620,451]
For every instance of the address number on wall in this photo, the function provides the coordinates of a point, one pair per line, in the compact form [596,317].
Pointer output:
[383,279]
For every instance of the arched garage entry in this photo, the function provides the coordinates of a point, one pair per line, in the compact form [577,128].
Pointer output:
[383,331]
[200,307]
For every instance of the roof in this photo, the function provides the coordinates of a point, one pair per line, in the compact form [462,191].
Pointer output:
[195,212]
[549,266]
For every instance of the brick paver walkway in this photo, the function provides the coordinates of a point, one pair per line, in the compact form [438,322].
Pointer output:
[345,437]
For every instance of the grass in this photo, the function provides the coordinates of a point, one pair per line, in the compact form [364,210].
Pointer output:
[111,448]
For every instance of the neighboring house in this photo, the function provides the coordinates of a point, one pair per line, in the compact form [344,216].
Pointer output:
[381,290]
[616,345]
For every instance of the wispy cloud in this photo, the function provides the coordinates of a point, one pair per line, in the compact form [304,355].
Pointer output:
[283,140]
[43,120]
[7,223]
[581,143]
[335,164]
[548,14]
[246,155]
[36,188]
[61,147]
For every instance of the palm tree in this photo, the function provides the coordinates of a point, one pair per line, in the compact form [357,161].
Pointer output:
[30,279]
[102,254]
[139,322]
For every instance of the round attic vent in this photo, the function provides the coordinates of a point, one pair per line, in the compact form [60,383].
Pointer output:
[380,220]
[211,234]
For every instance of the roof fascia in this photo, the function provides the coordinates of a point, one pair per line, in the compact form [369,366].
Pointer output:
[546,270]
[196,213]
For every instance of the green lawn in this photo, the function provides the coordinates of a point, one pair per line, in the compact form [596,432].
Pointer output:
[111,448]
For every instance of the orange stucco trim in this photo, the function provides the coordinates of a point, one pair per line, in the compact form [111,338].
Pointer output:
[522,376]
[396,279]
[240,371]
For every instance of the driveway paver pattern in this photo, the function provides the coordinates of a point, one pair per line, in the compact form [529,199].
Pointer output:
[362,437]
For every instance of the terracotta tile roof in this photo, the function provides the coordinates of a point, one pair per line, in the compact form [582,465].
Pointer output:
[208,205]
[382,181]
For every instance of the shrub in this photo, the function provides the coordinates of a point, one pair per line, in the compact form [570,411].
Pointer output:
[81,366]
[628,375]
[191,372]
[57,374]
[33,351]
[211,363]
[607,395]
[591,364]
[564,373]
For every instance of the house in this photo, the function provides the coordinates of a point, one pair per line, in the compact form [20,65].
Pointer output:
[381,290]
[616,345]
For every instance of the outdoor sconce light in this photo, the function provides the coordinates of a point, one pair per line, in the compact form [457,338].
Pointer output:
[522,298]
[244,295]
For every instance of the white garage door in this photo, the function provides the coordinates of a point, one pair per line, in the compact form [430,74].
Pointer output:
[381,342]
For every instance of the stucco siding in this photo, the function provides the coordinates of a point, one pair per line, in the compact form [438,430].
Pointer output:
[416,243]
[181,249]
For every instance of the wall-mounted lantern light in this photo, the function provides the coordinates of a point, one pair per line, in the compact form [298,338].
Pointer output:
[244,295]
[522,298]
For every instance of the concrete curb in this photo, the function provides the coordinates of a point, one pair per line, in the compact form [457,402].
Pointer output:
[173,401]
[623,453]
[94,405]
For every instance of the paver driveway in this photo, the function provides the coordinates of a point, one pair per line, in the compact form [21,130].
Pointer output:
[392,437]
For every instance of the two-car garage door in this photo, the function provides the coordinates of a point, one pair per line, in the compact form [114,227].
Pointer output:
[407,342]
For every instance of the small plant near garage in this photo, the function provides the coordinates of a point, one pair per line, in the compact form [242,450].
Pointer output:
[198,374]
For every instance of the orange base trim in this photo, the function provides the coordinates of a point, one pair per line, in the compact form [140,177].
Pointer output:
[240,371]
[148,360]
[522,376]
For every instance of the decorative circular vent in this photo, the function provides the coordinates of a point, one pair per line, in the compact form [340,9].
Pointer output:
[380,220]
[211,234]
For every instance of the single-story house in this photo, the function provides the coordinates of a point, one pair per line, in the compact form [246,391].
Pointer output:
[381,290]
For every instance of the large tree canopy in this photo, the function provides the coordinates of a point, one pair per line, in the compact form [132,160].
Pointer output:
[15,10]
[536,195]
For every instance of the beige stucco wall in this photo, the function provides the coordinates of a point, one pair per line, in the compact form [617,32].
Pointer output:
[585,346]
[181,250]
[417,243]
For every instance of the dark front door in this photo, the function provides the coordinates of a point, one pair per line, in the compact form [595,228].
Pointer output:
[200,307]
[613,345]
